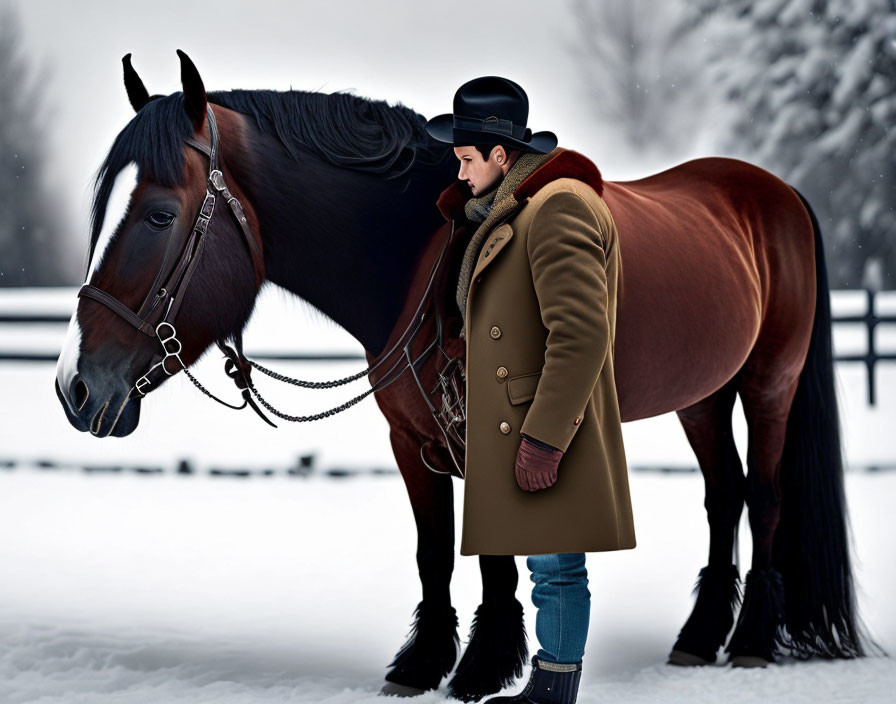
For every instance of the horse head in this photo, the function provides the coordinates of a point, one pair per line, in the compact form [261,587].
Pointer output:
[170,279]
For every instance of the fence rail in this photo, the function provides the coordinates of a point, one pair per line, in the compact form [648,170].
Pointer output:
[871,357]
[869,319]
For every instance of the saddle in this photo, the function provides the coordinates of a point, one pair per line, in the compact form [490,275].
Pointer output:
[439,352]
[446,399]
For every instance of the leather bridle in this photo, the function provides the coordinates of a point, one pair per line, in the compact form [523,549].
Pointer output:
[157,314]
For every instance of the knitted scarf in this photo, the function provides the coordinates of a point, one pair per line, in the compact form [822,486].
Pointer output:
[488,209]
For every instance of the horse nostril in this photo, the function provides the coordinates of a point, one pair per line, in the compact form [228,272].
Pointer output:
[80,393]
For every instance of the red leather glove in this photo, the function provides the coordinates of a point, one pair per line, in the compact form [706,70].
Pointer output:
[536,465]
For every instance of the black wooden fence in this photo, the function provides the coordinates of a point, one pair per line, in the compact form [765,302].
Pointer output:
[869,319]
[871,357]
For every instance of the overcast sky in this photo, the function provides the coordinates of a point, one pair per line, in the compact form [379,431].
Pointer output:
[414,52]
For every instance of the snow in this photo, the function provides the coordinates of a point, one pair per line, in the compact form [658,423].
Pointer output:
[174,589]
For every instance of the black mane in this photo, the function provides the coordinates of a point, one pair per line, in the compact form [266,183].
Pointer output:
[344,129]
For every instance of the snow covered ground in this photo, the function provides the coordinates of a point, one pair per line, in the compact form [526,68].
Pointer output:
[165,588]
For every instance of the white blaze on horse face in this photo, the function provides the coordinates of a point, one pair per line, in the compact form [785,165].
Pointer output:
[69,357]
[67,364]
[125,183]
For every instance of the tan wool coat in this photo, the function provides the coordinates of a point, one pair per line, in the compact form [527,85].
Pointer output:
[540,321]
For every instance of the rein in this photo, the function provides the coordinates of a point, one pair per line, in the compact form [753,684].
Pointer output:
[156,315]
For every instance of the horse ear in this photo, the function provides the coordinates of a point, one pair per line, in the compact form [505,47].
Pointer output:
[137,92]
[194,91]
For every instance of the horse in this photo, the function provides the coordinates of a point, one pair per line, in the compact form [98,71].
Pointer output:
[331,196]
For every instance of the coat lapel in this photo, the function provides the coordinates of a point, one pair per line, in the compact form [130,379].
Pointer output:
[497,240]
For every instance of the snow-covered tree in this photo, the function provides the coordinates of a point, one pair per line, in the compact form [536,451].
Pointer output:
[34,249]
[635,59]
[810,87]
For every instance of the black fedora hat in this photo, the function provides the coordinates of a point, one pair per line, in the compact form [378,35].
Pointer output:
[490,110]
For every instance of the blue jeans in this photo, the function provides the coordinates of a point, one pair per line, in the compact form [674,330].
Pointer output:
[564,605]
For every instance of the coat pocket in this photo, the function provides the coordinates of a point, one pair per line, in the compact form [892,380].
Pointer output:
[521,388]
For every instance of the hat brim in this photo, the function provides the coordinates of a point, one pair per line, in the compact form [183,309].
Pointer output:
[441,128]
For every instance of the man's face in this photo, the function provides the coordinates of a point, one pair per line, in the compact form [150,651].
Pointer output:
[480,173]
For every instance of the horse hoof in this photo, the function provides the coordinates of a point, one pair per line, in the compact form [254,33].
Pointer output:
[748,661]
[394,689]
[680,657]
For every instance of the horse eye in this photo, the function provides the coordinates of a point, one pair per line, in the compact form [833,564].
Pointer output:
[160,219]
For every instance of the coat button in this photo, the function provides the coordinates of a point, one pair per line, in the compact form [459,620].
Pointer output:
[501,372]
[495,332]
[505,427]
[577,420]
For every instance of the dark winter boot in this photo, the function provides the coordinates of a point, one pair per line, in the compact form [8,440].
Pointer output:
[549,683]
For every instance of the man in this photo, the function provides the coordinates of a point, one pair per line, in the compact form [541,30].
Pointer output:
[537,292]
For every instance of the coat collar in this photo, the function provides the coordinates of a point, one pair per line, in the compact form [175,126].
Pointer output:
[566,163]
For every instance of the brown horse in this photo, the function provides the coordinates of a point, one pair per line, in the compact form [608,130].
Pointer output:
[723,291]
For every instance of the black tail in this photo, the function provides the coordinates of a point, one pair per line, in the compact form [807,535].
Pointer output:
[811,547]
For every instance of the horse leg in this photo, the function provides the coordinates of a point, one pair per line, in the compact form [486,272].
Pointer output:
[707,425]
[497,646]
[431,649]
[766,404]
[799,594]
